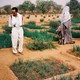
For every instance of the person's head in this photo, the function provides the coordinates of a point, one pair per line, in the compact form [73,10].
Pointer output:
[66,9]
[14,11]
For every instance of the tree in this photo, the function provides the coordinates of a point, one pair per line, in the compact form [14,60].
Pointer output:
[27,6]
[7,8]
[43,6]
[74,8]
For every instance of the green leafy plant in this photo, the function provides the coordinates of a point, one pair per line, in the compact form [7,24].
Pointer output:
[5,41]
[42,73]
[75,34]
[64,67]
[37,45]
[70,78]
[63,78]
[76,49]
[7,29]
[54,24]
[75,20]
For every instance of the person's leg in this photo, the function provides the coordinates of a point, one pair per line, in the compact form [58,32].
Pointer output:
[14,40]
[20,37]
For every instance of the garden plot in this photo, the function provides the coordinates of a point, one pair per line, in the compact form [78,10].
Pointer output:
[39,69]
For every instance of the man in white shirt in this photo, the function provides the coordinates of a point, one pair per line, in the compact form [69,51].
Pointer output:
[15,21]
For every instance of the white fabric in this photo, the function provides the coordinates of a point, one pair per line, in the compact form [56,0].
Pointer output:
[17,21]
[65,15]
[17,35]
[17,32]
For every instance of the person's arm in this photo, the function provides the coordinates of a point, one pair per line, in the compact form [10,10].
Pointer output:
[21,20]
[10,22]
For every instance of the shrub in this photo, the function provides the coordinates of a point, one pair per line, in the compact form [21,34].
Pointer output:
[42,73]
[63,78]
[28,17]
[54,24]
[75,20]
[76,49]
[76,28]
[5,41]
[7,29]
[52,30]
[70,78]
[64,67]
[36,45]
[32,22]
[42,20]
[31,26]
[75,34]
[40,36]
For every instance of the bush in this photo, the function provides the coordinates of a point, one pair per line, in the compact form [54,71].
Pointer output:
[28,17]
[63,78]
[37,45]
[41,20]
[5,41]
[75,20]
[52,30]
[75,34]
[76,28]
[40,36]
[7,29]
[76,49]
[31,26]
[32,22]
[54,24]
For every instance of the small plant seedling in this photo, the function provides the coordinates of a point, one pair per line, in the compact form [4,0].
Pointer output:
[42,73]
[63,78]
[70,78]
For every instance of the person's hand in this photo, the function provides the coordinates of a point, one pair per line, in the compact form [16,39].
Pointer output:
[14,25]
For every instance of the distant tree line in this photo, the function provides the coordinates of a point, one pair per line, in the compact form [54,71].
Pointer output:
[44,6]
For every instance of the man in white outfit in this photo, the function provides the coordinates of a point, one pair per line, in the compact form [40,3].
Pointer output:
[15,21]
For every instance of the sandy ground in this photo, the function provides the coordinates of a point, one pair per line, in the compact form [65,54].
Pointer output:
[7,58]
[5,18]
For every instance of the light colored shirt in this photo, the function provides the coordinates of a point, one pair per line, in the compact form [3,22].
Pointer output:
[17,21]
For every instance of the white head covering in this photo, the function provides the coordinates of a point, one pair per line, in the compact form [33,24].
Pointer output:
[65,15]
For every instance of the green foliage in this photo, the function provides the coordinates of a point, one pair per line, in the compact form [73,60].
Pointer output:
[76,28]
[76,20]
[7,8]
[64,67]
[32,22]
[63,78]
[70,78]
[32,25]
[5,41]
[36,70]
[75,34]
[25,70]
[54,24]
[27,6]
[20,61]
[37,45]
[53,30]
[78,76]
[40,36]
[74,7]
[42,73]
[76,49]
[7,29]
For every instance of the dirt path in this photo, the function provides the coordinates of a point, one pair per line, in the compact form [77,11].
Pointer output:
[7,58]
